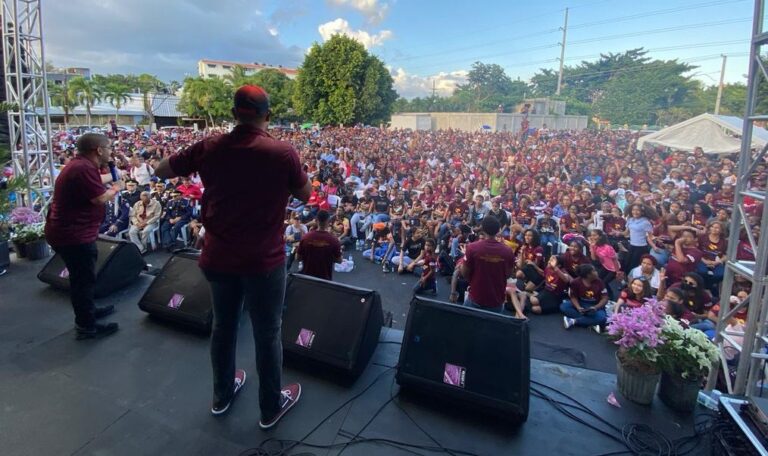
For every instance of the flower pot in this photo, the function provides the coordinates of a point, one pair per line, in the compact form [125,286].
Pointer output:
[21,249]
[37,250]
[637,386]
[5,254]
[679,393]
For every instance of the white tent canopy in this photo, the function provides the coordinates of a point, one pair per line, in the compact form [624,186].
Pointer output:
[714,134]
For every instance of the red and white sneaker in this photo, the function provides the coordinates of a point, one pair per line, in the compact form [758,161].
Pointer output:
[289,397]
[219,409]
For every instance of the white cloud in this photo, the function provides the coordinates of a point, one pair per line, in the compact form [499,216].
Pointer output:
[341,26]
[136,42]
[373,11]
[411,85]
[273,31]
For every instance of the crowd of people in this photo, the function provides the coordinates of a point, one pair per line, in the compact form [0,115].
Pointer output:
[592,224]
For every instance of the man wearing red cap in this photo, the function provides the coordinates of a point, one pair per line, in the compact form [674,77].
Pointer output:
[245,172]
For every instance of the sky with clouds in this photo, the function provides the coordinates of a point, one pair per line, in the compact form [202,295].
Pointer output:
[425,43]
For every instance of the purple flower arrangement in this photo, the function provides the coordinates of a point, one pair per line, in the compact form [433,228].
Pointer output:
[25,216]
[638,332]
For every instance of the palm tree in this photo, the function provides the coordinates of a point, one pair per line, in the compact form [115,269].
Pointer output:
[173,87]
[84,92]
[62,97]
[117,96]
[148,83]
[237,76]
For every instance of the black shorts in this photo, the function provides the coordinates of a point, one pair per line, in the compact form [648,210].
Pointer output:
[549,302]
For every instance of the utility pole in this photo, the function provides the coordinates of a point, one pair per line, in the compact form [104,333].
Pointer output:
[720,87]
[562,54]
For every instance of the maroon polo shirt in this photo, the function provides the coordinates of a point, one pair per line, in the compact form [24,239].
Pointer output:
[319,250]
[490,263]
[72,218]
[247,175]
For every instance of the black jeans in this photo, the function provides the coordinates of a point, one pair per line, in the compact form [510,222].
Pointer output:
[80,260]
[263,296]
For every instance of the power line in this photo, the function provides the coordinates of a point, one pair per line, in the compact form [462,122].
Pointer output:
[662,30]
[652,13]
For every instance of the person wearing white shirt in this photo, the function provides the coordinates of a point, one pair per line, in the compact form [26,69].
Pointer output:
[141,172]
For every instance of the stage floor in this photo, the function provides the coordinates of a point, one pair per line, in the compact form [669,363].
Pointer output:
[146,391]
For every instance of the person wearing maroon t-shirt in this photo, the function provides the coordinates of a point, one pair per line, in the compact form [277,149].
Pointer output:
[248,177]
[685,257]
[72,227]
[487,265]
[319,249]
[556,281]
[588,297]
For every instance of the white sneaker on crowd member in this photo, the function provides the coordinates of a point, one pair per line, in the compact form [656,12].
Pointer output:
[568,322]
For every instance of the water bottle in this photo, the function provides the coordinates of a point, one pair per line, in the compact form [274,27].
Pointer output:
[709,400]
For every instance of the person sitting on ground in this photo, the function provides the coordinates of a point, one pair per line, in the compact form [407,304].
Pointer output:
[674,299]
[530,262]
[428,262]
[410,252]
[697,299]
[573,257]
[487,265]
[588,297]
[553,293]
[115,218]
[547,227]
[604,258]
[636,294]
[145,219]
[319,249]
[341,229]
[647,271]
[686,256]
[293,234]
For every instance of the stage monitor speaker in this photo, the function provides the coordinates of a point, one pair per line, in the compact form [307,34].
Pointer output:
[330,325]
[180,294]
[475,358]
[118,264]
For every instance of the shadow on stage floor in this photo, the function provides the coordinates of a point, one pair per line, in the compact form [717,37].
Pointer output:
[146,391]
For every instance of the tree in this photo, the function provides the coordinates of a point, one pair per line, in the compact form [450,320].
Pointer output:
[237,76]
[85,92]
[173,87]
[117,96]
[341,83]
[149,84]
[207,98]
[488,86]
[61,96]
[280,89]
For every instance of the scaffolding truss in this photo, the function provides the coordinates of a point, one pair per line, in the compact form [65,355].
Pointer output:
[744,349]
[26,87]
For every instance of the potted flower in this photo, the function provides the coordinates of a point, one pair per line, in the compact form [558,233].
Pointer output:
[638,333]
[8,185]
[27,233]
[685,359]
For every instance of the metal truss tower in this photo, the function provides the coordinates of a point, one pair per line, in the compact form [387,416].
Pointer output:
[26,90]
[751,342]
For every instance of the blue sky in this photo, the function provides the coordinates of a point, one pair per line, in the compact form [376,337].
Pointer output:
[422,41]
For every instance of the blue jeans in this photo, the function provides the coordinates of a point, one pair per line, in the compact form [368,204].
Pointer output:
[706,326]
[169,233]
[717,273]
[661,256]
[547,238]
[263,296]
[468,302]
[380,217]
[598,317]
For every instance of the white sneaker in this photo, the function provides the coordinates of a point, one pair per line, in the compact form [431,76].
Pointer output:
[568,322]
[596,328]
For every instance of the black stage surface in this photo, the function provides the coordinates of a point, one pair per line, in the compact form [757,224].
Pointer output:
[146,390]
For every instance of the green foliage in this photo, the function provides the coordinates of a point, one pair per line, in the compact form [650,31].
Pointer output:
[487,87]
[341,83]
[85,92]
[280,89]
[12,185]
[63,97]
[207,98]
[117,95]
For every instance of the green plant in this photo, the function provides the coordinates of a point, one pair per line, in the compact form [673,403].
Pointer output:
[7,187]
[686,352]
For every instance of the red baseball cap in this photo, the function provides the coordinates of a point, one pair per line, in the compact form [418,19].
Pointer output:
[251,100]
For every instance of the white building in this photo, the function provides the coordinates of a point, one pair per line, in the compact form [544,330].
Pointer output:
[220,68]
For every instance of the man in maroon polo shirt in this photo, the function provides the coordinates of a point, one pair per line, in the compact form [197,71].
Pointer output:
[487,265]
[319,249]
[248,177]
[72,227]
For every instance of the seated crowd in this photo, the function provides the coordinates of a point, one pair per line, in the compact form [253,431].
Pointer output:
[595,225]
